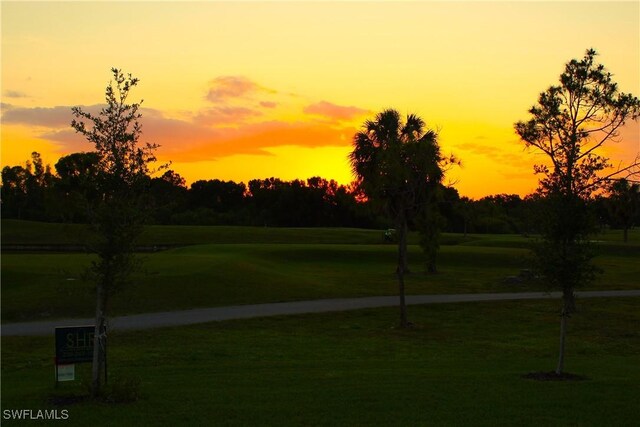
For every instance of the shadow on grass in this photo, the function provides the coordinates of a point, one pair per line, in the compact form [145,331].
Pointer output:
[121,390]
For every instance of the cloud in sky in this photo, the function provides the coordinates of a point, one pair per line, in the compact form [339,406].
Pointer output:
[41,116]
[333,111]
[496,153]
[225,115]
[186,141]
[14,94]
[238,122]
[224,88]
[172,134]
[268,104]
[257,139]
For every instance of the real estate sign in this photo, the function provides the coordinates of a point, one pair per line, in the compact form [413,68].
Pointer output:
[74,344]
[65,372]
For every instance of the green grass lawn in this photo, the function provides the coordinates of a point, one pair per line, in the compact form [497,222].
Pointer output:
[50,285]
[461,365]
[39,286]
[16,232]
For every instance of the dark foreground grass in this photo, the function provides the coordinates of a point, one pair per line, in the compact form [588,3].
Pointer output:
[461,365]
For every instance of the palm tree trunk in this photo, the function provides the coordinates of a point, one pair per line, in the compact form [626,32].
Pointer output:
[400,270]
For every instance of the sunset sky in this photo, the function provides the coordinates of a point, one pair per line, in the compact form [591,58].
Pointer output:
[249,90]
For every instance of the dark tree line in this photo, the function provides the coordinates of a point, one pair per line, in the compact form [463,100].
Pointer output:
[269,202]
[26,190]
[64,194]
[35,191]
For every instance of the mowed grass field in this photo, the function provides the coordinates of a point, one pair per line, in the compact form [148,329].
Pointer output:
[461,365]
[271,265]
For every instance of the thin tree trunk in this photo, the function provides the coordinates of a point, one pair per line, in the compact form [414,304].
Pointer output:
[400,270]
[626,234]
[432,268]
[568,305]
[563,334]
[98,340]
[403,306]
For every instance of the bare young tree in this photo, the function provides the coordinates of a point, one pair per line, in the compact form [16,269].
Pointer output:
[117,214]
[570,124]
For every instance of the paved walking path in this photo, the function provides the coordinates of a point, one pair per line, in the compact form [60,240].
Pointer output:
[202,315]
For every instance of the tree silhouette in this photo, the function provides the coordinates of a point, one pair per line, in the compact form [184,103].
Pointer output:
[570,124]
[15,195]
[624,204]
[77,184]
[168,194]
[117,214]
[26,191]
[398,165]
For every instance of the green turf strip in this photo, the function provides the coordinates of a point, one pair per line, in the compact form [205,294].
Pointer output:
[461,365]
[45,286]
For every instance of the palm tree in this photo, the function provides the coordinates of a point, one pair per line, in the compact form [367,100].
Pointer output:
[398,166]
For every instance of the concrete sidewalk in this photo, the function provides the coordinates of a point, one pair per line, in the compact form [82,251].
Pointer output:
[203,315]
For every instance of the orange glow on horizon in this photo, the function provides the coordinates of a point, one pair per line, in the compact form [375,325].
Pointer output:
[240,91]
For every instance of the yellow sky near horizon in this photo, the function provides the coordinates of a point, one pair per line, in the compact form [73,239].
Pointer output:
[253,90]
